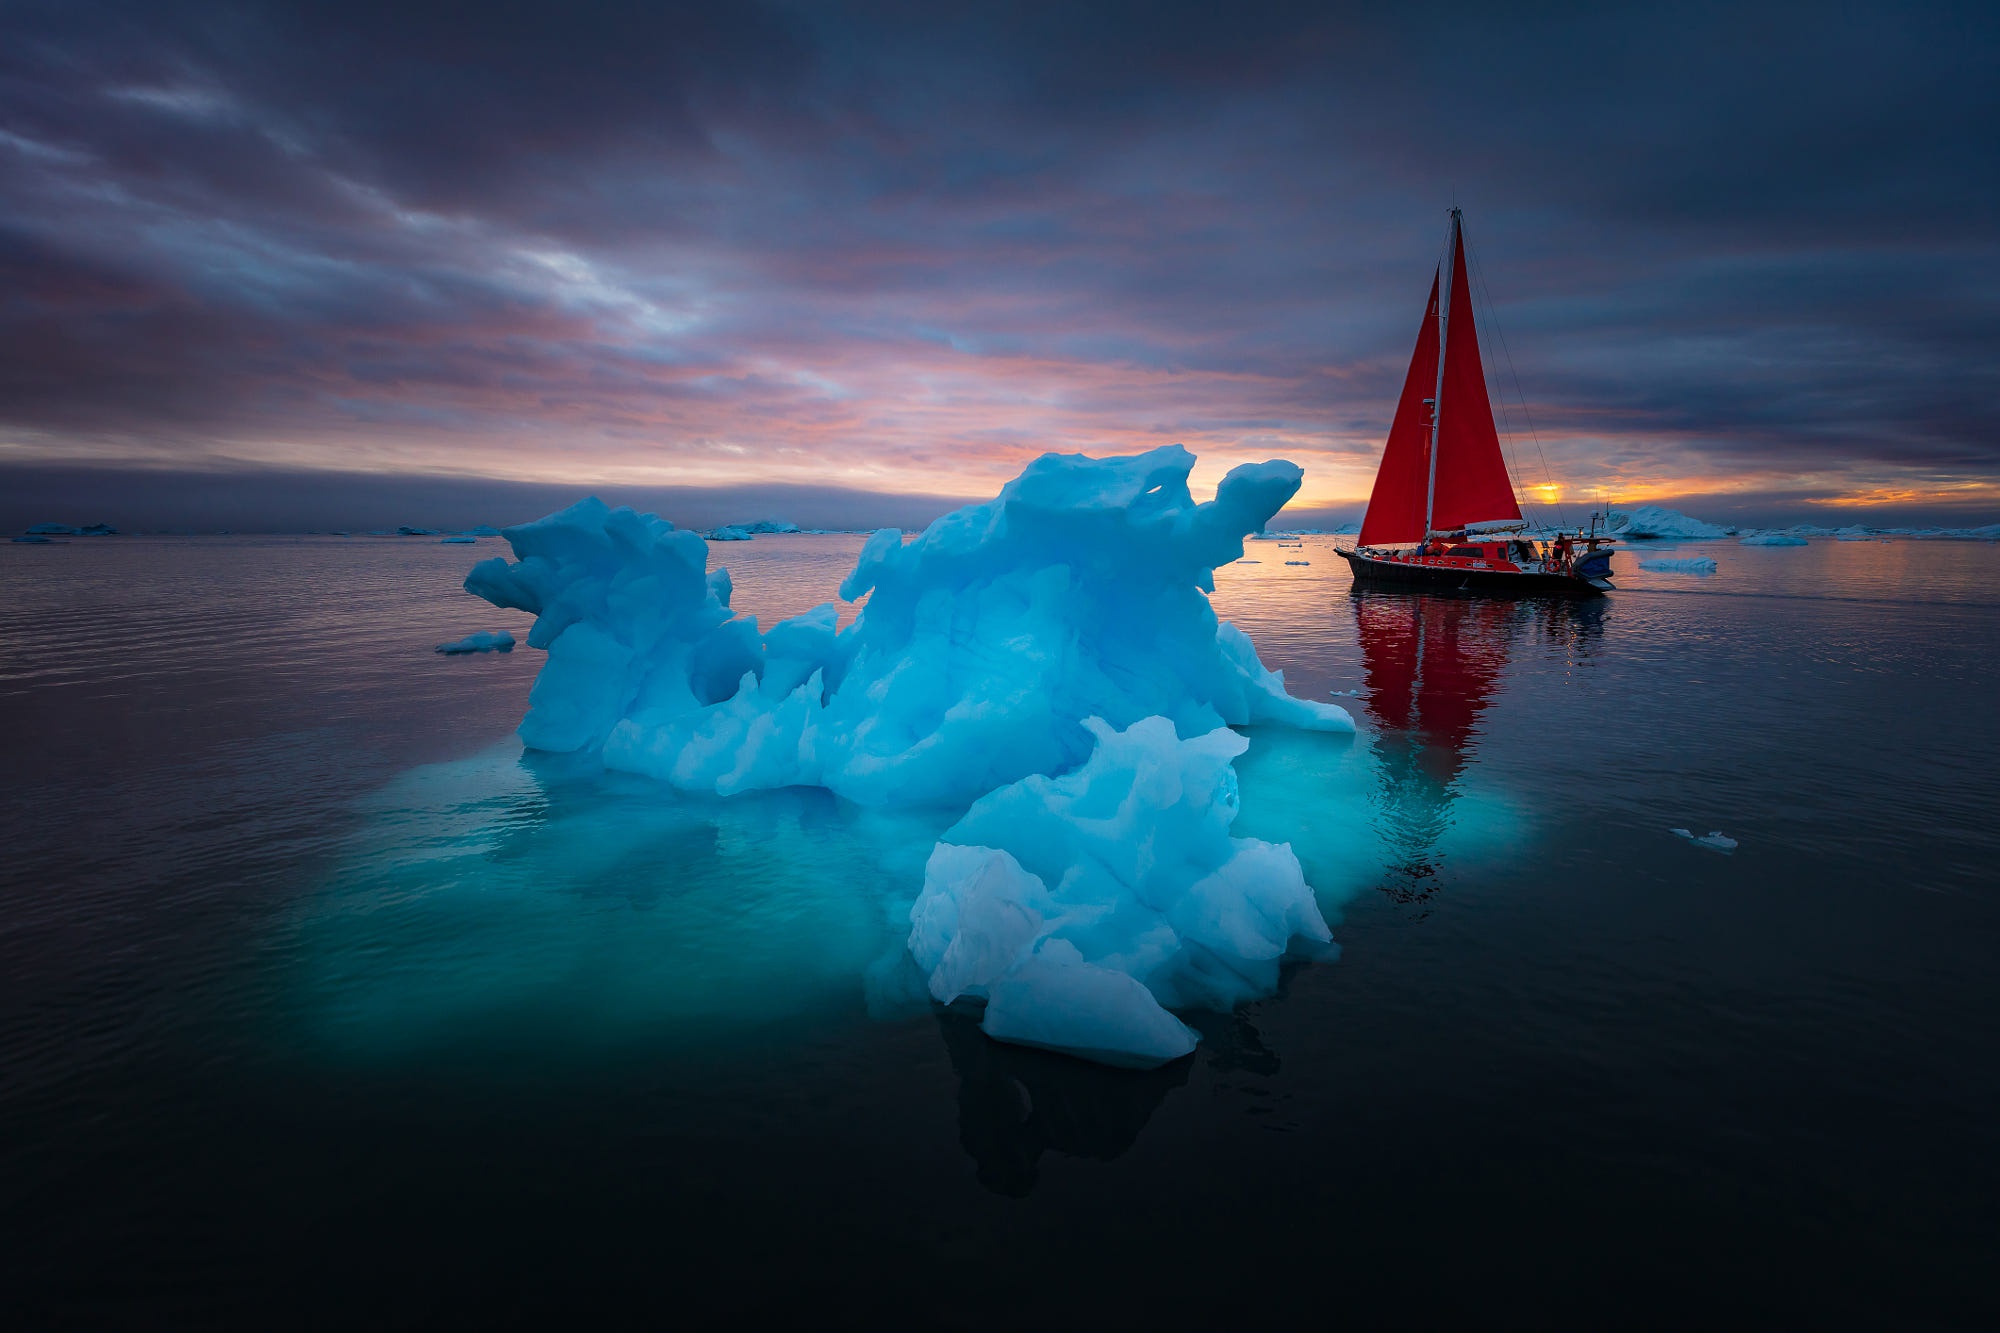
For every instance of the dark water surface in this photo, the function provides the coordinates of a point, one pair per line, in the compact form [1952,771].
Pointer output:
[321,1006]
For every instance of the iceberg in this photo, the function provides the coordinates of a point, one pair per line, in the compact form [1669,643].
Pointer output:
[1047,663]
[764,526]
[458,541]
[727,534]
[416,532]
[1651,521]
[983,646]
[1773,539]
[485,641]
[1700,564]
[54,530]
[1081,907]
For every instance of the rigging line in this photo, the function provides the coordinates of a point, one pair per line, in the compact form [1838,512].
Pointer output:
[1506,421]
[1477,274]
[1501,335]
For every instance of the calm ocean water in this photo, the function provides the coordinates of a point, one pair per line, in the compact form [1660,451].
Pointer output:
[320,1005]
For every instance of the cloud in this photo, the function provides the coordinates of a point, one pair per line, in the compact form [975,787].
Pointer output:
[904,247]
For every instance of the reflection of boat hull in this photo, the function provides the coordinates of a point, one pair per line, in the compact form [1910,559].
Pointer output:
[1460,576]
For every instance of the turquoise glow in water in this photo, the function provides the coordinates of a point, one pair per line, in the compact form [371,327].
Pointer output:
[325,1006]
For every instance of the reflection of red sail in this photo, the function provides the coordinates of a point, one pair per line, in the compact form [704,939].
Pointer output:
[1431,667]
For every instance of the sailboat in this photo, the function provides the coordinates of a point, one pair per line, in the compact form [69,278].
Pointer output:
[1442,514]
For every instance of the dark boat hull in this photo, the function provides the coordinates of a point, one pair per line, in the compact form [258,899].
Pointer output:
[1490,582]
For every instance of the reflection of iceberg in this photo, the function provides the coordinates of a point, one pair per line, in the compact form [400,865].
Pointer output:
[1016,1104]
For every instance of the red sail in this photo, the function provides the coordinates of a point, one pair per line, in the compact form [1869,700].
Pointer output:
[1472,483]
[1396,507]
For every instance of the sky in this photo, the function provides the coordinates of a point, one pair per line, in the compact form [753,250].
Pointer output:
[1743,258]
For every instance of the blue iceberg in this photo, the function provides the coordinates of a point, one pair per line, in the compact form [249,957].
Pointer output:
[1051,654]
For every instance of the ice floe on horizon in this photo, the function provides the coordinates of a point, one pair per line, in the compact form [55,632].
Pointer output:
[485,641]
[1688,565]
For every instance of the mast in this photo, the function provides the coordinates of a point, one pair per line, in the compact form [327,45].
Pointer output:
[1437,402]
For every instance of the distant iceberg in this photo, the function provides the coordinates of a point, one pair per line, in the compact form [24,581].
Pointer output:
[482,530]
[416,532]
[727,534]
[458,541]
[1054,648]
[1651,521]
[1689,565]
[485,641]
[1773,539]
[764,526]
[54,530]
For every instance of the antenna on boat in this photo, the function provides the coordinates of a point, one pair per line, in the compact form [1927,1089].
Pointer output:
[1449,267]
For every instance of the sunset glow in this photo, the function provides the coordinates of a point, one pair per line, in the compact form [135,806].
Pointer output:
[908,260]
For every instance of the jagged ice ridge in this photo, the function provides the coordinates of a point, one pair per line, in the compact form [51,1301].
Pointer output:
[1052,651]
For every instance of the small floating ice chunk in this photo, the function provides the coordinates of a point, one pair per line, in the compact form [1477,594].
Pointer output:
[486,641]
[1700,564]
[1773,539]
[407,531]
[1298,562]
[458,541]
[54,530]
[1714,839]
[1249,562]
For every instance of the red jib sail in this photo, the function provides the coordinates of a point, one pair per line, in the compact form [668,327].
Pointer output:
[1471,480]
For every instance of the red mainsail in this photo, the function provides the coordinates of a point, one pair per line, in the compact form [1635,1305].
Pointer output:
[1471,483]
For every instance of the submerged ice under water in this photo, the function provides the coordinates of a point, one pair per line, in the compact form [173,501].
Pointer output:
[1063,626]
